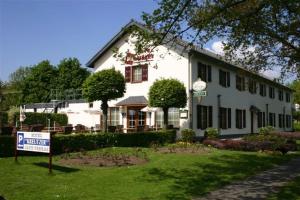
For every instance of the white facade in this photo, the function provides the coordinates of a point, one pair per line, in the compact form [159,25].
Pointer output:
[169,63]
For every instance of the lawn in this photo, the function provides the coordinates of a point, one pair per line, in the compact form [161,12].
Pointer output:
[165,176]
[291,191]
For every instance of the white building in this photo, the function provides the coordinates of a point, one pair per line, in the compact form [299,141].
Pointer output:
[237,101]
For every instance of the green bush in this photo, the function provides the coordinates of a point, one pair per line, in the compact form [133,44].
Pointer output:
[188,135]
[297,126]
[211,133]
[71,143]
[4,117]
[42,118]
[266,130]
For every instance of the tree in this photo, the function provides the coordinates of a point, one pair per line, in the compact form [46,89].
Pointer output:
[38,84]
[104,85]
[167,93]
[259,35]
[70,74]
[295,85]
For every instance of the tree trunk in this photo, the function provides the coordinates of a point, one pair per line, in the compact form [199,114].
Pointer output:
[104,108]
[165,110]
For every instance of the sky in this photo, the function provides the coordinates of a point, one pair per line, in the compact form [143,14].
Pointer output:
[36,30]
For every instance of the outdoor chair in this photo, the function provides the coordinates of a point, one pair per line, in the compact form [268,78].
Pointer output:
[111,129]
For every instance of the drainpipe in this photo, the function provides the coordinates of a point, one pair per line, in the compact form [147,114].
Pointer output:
[219,114]
[267,113]
[190,95]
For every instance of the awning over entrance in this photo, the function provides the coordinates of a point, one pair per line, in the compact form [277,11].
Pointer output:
[254,109]
[133,101]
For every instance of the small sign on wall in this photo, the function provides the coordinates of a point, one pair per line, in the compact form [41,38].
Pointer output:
[183,114]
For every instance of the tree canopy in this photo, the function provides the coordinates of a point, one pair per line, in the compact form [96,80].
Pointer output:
[103,86]
[295,85]
[167,93]
[259,35]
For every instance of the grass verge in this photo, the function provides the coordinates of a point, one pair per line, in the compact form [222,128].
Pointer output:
[291,191]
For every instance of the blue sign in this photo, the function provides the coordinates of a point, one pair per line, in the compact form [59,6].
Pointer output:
[33,141]
[20,140]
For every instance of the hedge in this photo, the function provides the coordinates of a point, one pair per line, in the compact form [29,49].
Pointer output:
[78,142]
[42,118]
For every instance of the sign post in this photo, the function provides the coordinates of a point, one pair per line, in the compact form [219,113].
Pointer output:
[35,142]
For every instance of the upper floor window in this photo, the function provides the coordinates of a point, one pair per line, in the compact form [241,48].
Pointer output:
[252,86]
[136,73]
[204,72]
[271,92]
[225,118]
[262,89]
[224,78]
[287,97]
[240,83]
[204,117]
[280,95]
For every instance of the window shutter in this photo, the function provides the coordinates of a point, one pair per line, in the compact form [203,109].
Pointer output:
[237,118]
[145,73]
[229,117]
[127,74]
[244,118]
[228,79]
[210,116]
[199,117]
[220,77]
[208,73]
[199,70]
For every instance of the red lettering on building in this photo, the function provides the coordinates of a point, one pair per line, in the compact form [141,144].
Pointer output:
[134,58]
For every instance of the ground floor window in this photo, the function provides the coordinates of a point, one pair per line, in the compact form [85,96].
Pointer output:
[113,116]
[173,117]
[272,119]
[288,121]
[281,120]
[204,117]
[225,118]
[261,119]
[240,118]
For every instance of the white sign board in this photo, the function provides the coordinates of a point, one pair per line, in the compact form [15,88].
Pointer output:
[200,94]
[33,141]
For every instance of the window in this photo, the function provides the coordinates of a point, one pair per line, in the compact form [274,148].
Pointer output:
[225,118]
[240,118]
[173,117]
[252,86]
[204,117]
[287,97]
[280,95]
[240,83]
[288,121]
[281,120]
[91,105]
[113,116]
[272,119]
[136,74]
[261,119]
[271,92]
[204,72]
[224,78]
[141,118]
[262,89]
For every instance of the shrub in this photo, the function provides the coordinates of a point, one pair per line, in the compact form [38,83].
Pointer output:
[266,130]
[71,143]
[188,135]
[211,133]
[42,118]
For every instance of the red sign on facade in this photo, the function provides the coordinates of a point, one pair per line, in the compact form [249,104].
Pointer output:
[135,58]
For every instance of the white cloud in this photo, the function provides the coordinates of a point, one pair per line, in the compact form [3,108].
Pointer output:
[272,73]
[217,47]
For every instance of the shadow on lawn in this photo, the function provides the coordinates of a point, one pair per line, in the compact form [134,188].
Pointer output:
[57,167]
[213,173]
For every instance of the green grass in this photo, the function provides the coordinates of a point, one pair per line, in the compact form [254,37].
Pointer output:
[291,191]
[166,176]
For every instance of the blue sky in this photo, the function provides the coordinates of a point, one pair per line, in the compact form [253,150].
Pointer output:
[34,30]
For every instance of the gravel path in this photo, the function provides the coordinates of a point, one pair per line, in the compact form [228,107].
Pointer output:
[259,186]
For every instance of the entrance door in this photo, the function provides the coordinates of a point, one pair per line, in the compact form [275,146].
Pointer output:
[135,117]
